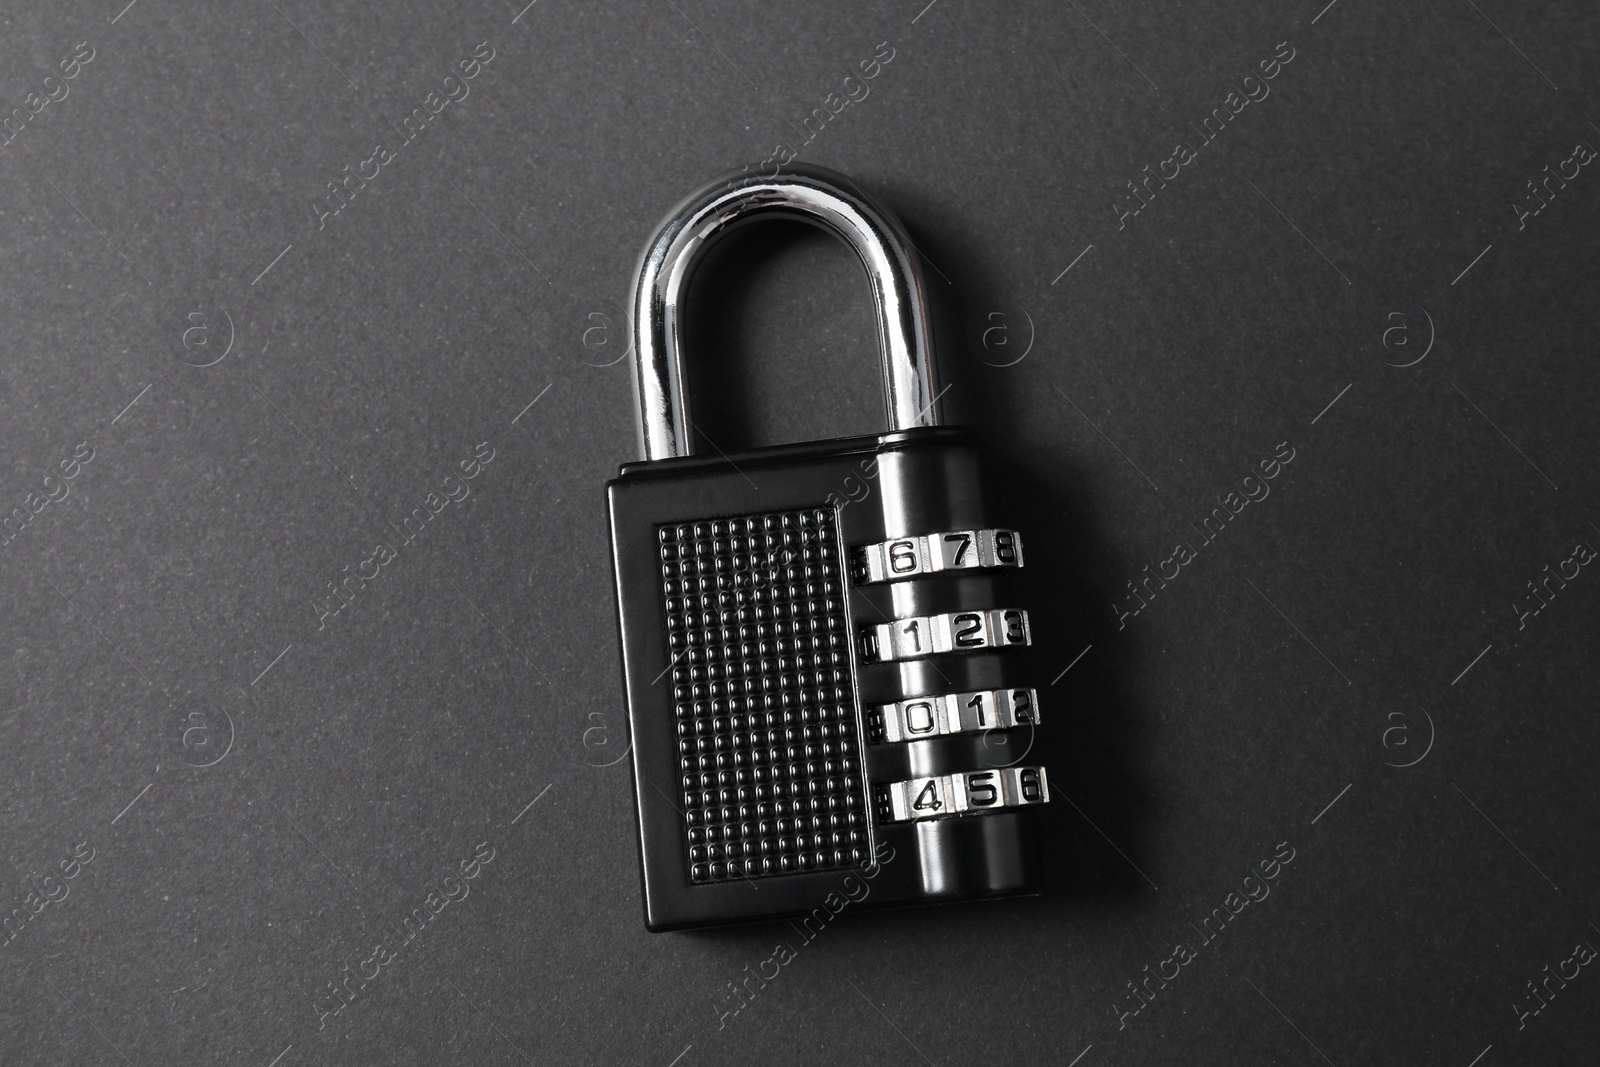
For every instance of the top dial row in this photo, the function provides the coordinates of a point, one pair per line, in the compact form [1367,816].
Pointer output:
[910,557]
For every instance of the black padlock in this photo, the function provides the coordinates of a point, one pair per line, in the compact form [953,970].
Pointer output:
[820,642]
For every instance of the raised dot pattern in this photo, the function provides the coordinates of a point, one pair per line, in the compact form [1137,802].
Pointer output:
[768,749]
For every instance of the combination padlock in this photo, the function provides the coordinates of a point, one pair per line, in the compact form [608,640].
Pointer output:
[825,695]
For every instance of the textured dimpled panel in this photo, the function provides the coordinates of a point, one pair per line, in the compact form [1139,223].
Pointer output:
[768,750]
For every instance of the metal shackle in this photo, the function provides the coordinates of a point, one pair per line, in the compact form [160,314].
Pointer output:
[809,194]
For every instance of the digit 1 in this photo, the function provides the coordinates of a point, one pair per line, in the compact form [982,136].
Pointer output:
[911,628]
[977,702]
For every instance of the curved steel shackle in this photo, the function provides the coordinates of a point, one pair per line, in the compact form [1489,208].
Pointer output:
[809,194]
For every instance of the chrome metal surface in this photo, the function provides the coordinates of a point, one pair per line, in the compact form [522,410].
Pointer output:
[815,195]
[913,557]
[968,793]
[921,636]
[979,711]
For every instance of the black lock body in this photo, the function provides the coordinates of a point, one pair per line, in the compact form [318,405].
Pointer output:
[823,652]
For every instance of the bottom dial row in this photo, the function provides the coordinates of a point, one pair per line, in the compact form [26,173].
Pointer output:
[962,794]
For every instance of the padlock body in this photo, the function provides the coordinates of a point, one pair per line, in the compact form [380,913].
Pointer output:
[824,653]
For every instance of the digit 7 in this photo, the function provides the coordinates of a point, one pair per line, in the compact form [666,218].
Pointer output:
[964,541]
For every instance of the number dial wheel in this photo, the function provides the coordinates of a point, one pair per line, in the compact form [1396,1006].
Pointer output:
[937,635]
[965,793]
[914,557]
[953,713]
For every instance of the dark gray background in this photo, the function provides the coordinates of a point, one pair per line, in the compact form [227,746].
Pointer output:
[161,616]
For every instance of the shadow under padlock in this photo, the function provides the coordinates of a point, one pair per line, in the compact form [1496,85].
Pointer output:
[844,678]
[1094,832]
